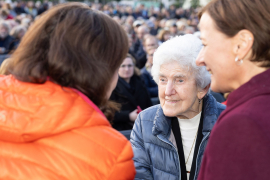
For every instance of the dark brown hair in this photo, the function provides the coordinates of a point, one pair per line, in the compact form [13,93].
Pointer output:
[75,47]
[231,16]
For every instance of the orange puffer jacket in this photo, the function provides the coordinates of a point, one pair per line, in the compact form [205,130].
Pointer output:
[49,132]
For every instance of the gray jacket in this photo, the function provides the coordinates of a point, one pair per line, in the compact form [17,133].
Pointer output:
[154,145]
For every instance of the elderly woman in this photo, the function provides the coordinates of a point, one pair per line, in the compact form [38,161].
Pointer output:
[169,139]
[237,53]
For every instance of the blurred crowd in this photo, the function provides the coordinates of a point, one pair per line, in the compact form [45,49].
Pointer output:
[163,23]
[146,29]
[16,17]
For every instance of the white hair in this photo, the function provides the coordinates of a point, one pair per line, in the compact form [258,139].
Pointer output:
[184,50]
[5,25]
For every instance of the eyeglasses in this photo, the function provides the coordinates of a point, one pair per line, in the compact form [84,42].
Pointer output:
[128,65]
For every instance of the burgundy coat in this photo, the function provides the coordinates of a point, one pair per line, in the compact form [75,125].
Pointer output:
[239,146]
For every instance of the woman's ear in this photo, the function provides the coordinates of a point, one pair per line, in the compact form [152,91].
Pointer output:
[243,42]
[203,92]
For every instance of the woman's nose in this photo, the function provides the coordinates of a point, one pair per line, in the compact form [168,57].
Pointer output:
[200,59]
[169,89]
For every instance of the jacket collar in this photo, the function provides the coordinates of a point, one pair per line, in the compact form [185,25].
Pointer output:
[256,86]
[211,113]
[162,123]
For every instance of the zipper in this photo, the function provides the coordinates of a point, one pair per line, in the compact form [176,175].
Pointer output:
[175,150]
[207,135]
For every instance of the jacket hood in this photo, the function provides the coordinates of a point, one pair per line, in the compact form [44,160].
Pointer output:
[31,111]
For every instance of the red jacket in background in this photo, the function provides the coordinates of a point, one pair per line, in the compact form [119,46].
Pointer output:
[239,145]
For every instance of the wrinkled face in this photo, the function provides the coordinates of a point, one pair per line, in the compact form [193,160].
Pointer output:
[217,55]
[126,69]
[177,91]
[3,32]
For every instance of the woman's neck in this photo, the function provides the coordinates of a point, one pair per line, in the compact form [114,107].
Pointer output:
[127,80]
[250,70]
[194,111]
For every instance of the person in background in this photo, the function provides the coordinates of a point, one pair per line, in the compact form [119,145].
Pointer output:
[17,33]
[43,8]
[5,15]
[150,42]
[127,28]
[138,46]
[169,139]
[164,35]
[155,29]
[173,29]
[162,23]
[189,30]
[172,11]
[150,84]
[237,53]
[6,41]
[31,9]
[131,93]
[19,8]
[8,7]
[150,45]
[51,124]
[143,11]
[130,20]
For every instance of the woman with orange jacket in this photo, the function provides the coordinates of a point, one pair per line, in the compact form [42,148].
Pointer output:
[61,75]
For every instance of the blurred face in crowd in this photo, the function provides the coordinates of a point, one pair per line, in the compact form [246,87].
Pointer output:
[162,23]
[129,10]
[129,41]
[130,20]
[166,36]
[3,32]
[150,54]
[21,34]
[173,30]
[30,4]
[178,92]
[217,57]
[117,19]
[126,69]
[150,43]
[141,32]
[189,30]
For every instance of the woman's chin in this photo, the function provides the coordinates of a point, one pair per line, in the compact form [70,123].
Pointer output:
[218,88]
